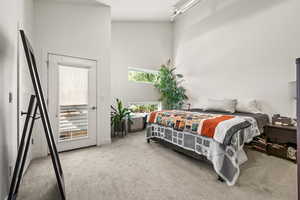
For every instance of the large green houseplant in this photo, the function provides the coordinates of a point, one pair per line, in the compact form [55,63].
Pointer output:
[173,95]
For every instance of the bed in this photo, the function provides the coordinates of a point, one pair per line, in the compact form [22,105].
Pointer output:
[217,136]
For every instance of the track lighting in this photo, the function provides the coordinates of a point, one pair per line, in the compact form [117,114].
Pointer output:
[183,6]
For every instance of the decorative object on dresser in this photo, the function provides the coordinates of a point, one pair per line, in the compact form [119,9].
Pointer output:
[280,120]
[281,141]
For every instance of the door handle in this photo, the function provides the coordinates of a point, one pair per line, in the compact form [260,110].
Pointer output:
[24,113]
[94,107]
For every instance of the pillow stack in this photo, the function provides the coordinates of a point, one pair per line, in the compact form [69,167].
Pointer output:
[225,105]
[248,106]
[232,106]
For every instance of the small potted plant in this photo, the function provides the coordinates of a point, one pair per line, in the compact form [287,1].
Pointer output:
[120,115]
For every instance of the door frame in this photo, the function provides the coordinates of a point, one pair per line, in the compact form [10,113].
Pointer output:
[96,88]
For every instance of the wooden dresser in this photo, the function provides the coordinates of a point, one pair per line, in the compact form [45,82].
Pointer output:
[277,137]
[281,134]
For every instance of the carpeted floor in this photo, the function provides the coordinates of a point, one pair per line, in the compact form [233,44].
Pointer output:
[131,169]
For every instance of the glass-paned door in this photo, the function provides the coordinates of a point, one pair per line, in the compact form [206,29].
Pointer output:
[72,101]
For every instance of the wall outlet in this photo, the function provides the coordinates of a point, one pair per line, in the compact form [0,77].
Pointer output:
[10,97]
[10,171]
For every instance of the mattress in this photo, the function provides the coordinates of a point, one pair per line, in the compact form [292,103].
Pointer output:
[225,156]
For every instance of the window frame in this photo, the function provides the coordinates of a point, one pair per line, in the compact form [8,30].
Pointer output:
[159,103]
[135,69]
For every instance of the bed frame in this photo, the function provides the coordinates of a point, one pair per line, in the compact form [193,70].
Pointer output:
[183,151]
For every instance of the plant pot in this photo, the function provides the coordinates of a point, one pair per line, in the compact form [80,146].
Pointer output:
[121,128]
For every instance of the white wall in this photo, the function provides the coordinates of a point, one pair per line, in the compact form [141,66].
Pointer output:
[141,45]
[12,13]
[8,64]
[81,30]
[25,83]
[240,49]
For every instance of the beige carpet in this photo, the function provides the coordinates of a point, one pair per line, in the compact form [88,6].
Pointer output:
[131,169]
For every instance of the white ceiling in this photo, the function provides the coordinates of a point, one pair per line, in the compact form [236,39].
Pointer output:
[140,10]
[135,10]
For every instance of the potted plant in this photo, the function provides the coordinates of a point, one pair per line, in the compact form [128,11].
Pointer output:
[169,85]
[119,116]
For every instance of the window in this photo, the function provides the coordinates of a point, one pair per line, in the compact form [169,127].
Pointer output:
[73,101]
[142,75]
[144,107]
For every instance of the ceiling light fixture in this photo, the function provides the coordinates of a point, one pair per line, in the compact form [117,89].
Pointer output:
[183,6]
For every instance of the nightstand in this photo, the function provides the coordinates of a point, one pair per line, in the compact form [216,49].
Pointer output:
[281,134]
[278,138]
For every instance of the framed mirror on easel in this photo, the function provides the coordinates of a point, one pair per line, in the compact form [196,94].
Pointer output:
[37,104]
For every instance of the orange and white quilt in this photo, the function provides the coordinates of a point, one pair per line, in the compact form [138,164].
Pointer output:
[216,126]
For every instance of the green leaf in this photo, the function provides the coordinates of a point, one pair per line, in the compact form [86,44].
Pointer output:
[119,114]
[172,94]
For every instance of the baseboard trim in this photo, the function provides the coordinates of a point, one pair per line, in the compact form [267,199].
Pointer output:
[104,142]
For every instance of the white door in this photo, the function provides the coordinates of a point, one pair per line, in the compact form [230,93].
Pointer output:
[72,87]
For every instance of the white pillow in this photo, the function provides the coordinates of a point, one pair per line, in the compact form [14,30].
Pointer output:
[247,106]
[225,105]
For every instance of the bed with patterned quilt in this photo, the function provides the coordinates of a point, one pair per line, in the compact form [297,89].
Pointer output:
[218,136]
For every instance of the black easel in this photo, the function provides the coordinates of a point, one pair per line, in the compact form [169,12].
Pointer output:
[37,102]
[298,124]
[23,149]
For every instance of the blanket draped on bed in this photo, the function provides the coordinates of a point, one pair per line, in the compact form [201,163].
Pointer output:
[218,137]
[219,127]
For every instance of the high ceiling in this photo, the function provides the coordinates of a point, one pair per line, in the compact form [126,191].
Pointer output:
[140,10]
[135,10]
